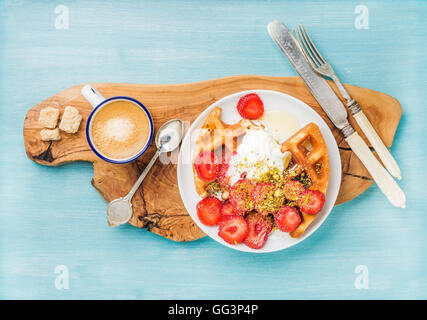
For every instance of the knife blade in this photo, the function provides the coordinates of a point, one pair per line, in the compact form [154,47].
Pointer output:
[335,110]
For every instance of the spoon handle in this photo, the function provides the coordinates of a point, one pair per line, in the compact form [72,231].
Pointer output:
[142,176]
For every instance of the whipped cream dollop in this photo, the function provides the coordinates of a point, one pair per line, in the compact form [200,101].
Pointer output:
[256,155]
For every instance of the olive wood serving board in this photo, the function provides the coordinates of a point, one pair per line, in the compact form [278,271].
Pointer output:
[157,205]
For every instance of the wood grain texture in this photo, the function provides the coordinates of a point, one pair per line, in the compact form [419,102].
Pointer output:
[157,205]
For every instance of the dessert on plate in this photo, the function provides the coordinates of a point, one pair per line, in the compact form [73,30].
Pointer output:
[253,186]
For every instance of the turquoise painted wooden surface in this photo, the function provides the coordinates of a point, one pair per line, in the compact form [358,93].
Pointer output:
[52,216]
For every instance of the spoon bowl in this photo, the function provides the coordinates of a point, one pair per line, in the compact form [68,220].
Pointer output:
[169,135]
[119,210]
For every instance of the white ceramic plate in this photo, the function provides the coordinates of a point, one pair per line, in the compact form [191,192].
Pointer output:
[272,100]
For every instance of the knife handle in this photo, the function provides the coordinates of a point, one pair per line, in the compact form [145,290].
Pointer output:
[378,145]
[383,179]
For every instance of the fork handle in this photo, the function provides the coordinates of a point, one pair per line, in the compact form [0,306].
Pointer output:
[341,88]
[383,179]
[378,144]
[370,132]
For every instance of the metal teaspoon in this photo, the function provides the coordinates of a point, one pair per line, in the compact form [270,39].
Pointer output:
[167,139]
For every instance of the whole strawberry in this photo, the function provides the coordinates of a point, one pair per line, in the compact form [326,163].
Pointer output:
[250,106]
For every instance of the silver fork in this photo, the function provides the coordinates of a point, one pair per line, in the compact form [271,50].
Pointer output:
[321,66]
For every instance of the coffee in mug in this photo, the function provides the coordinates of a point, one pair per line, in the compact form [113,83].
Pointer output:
[119,129]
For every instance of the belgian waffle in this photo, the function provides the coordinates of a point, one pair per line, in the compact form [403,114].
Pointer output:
[309,154]
[215,135]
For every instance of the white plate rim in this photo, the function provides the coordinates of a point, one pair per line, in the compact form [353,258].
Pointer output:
[334,164]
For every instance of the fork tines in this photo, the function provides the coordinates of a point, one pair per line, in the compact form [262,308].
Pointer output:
[309,49]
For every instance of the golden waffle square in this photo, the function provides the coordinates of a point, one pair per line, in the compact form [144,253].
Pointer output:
[309,154]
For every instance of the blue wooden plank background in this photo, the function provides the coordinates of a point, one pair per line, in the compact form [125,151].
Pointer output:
[52,216]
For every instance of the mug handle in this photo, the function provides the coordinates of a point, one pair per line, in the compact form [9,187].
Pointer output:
[92,95]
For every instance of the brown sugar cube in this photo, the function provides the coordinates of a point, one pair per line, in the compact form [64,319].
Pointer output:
[48,117]
[70,121]
[50,134]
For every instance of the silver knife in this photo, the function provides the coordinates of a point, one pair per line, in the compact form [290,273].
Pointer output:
[335,110]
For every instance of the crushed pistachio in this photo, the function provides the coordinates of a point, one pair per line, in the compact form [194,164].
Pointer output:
[274,176]
[318,167]
[304,178]
[306,199]
[270,203]
[292,204]
[213,188]
[278,193]
[290,175]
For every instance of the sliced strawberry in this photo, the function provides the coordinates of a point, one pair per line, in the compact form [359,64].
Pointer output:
[287,219]
[311,201]
[240,195]
[259,229]
[223,179]
[233,229]
[209,211]
[207,165]
[265,199]
[227,209]
[250,106]
[293,190]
